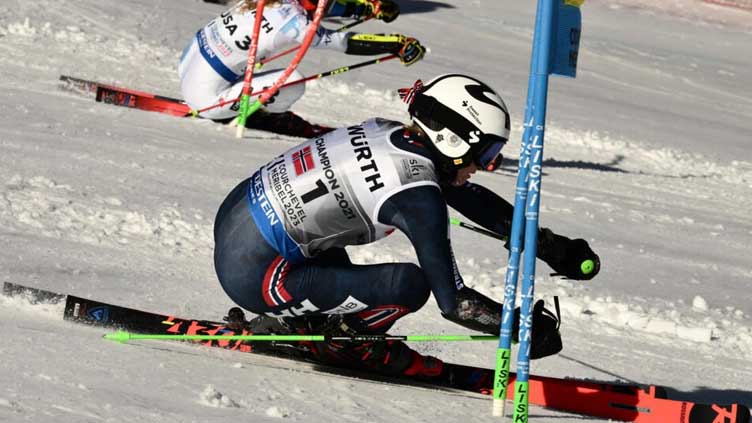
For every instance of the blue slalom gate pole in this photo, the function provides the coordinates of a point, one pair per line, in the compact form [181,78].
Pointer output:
[555,48]
[504,351]
[535,163]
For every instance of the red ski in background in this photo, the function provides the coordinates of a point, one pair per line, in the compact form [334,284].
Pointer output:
[283,123]
[127,97]
[111,94]
[605,400]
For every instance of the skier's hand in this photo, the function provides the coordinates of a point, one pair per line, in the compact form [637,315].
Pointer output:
[411,51]
[476,311]
[406,48]
[572,258]
[385,10]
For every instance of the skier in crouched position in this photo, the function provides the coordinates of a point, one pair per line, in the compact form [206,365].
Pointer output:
[280,234]
[213,65]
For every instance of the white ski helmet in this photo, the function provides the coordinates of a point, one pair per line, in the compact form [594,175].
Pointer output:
[465,120]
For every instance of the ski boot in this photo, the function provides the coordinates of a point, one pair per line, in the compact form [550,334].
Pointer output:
[285,123]
[391,358]
[265,325]
[259,325]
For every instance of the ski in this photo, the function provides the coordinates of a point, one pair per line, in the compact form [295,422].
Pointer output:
[118,96]
[286,123]
[615,401]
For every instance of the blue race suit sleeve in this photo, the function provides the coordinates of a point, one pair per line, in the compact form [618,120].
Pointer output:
[481,205]
[421,214]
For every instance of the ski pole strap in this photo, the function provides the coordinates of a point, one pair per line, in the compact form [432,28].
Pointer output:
[123,337]
[486,232]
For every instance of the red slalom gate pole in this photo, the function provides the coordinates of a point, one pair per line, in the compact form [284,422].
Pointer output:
[267,94]
[245,96]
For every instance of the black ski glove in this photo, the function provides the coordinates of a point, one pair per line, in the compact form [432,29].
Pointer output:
[546,338]
[572,258]
[477,312]
[384,10]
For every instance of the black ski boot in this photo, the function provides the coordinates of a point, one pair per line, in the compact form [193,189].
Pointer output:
[259,325]
[265,325]
[235,319]
[285,123]
[391,358]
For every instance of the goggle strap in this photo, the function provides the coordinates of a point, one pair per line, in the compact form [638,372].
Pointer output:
[408,94]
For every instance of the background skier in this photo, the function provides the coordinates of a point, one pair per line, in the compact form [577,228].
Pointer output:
[212,66]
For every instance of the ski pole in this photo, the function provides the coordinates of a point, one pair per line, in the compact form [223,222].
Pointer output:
[342,69]
[473,228]
[124,336]
[336,71]
[290,50]
[587,266]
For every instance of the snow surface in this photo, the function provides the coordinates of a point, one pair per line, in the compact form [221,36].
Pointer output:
[647,157]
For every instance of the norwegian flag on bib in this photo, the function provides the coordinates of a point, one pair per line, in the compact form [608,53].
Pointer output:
[302,160]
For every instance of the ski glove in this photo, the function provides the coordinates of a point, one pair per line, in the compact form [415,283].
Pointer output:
[408,49]
[384,10]
[546,338]
[572,258]
[411,51]
[477,312]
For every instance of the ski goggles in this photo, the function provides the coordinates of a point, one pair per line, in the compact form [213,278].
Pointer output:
[490,158]
[437,117]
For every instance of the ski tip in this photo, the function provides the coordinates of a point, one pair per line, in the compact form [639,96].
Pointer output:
[119,336]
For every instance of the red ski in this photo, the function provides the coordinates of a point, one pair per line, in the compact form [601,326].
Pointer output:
[284,123]
[111,94]
[615,401]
